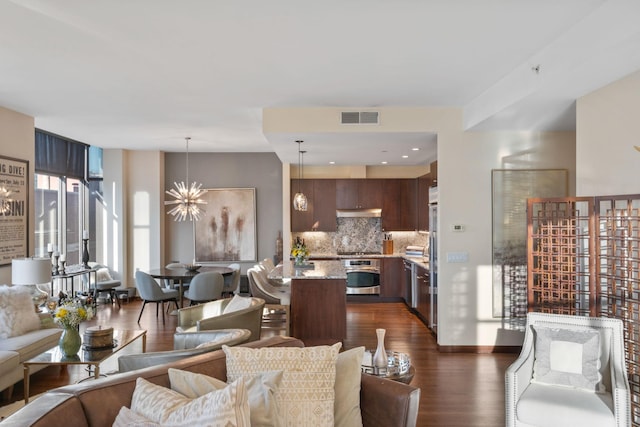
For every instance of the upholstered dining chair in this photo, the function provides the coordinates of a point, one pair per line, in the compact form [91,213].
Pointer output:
[277,300]
[150,291]
[204,287]
[571,372]
[232,282]
[169,283]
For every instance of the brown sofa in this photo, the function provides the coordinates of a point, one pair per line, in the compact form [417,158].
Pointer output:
[96,403]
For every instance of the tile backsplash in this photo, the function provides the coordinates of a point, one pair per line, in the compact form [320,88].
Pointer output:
[358,234]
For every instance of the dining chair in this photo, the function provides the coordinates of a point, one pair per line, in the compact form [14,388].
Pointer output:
[150,291]
[232,282]
[277,301]
[204,287]
[169,283]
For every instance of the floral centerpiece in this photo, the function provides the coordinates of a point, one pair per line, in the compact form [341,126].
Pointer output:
[69,315]
[299,252]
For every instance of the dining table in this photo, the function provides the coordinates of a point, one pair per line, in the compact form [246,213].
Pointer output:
[182,275]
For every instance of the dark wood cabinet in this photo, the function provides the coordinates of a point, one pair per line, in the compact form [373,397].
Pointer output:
[321,205]
[422,209]
[393,279]
[424,296]
[399,205]
[359,193]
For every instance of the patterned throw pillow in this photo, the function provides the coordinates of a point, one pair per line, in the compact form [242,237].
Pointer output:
[228,407]
[261,389]
[17,312]
[306,395]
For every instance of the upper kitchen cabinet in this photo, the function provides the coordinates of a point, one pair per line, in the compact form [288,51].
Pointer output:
[321,205]
[359,193]
[399,205]
[424,182]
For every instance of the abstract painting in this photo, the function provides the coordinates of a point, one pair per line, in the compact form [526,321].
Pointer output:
[227,230]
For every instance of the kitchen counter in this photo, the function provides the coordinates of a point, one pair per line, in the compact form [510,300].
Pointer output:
[419,260]
[322,269]
[318,301]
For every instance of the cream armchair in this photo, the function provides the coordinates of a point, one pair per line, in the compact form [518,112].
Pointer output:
[571,371]
[215,315]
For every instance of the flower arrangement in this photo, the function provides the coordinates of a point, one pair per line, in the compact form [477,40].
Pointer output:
[71,313]
[299,251]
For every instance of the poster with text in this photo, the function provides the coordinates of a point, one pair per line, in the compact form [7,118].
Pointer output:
[14,209]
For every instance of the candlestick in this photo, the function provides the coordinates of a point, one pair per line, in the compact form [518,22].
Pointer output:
[85,252]
[85,235]
[49,248]
[56,270]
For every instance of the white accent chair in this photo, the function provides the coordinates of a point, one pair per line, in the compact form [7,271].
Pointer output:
[537,393]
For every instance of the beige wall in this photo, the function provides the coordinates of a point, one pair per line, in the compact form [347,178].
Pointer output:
[17,136]
[608,127]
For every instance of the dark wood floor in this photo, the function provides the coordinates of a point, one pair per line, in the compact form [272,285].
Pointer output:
[457,389]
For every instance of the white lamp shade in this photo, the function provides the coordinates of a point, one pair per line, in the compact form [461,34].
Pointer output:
[30,271]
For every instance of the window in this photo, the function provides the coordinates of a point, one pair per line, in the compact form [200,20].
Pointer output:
[63,195]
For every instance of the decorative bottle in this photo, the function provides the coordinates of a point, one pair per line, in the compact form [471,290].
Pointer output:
[380,356]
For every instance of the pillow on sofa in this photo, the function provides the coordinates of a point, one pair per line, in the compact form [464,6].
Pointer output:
[568,358]
[306,395]
[17,312]
[127,418]
[261,390]
[228,406]
[237,303]
[348,377]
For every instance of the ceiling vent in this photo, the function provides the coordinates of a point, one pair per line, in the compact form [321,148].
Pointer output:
[359,118]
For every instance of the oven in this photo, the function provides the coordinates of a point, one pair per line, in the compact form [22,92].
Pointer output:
[363,276]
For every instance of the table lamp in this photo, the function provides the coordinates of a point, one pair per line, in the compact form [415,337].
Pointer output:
[32,272]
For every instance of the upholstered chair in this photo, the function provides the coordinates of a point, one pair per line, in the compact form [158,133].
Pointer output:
[205,287]
[232,282]
[228,313]
[571,372]
[277,299]
[150,291]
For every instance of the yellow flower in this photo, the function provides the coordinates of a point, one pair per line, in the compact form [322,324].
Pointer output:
[61,313]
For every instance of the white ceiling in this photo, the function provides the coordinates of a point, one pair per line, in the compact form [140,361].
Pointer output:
[143,74]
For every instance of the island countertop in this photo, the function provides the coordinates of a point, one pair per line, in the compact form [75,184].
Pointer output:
[320,270]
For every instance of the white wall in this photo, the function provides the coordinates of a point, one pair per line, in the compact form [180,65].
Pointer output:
[17,140]
[111,220]
[607,128]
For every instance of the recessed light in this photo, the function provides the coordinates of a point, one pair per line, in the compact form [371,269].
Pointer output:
[384,163]
[415,149]
[332,163]
[405,157]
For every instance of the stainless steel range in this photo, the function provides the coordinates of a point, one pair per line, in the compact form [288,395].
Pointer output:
[363,275]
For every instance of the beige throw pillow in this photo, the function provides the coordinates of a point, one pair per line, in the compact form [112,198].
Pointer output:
[306,395]
[228,407]
[348,377]
[237,303]
[127,418]
[261,390]
[17,312]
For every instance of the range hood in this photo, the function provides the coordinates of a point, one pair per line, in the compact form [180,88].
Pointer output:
[359,213]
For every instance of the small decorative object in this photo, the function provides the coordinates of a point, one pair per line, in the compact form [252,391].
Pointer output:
[56,268]
[97,337]
[192,267]
[69,315]
[380,359]
[85,250]
[299,252]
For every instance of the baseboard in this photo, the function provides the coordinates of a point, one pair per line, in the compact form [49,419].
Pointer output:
[479,349]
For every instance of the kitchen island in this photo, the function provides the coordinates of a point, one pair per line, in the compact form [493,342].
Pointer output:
[318,300]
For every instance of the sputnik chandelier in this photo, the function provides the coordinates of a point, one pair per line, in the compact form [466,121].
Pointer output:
[187,198]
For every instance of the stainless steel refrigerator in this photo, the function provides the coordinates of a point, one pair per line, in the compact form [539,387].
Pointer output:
[433,257]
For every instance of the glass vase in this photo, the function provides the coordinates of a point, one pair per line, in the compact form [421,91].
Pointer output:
[70,341]
[380,359]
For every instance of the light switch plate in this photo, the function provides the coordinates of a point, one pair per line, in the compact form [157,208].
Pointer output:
[457,256]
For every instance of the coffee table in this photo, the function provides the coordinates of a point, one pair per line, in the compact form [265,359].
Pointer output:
[92,358]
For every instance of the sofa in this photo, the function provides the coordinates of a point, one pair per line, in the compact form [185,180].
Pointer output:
[23,334]
[97,403]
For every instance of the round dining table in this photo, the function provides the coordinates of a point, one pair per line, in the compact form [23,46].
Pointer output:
[181,274]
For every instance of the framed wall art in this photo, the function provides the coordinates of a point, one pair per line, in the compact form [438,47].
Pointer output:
[227,230]
[510,190]
[14,209]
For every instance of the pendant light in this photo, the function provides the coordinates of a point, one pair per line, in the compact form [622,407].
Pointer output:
[300,200]
[187,198]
